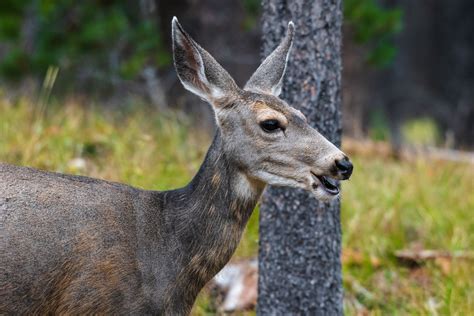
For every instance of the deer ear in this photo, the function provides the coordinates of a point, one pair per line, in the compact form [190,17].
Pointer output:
[268,78]
[197,70]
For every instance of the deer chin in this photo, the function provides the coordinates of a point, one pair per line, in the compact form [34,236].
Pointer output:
[324,188]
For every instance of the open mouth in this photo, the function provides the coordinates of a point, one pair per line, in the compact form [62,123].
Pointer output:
[328,184]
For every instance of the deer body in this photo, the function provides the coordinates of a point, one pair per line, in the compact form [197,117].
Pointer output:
[77,245]
[128,250]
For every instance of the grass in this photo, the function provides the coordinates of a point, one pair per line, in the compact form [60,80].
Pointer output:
[387,205]
[421,132]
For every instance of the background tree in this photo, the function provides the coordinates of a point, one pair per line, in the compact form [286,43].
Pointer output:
[300,238]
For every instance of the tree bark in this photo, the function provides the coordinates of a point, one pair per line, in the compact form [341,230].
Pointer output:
[300,238]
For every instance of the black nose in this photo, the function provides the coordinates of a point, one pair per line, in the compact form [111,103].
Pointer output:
[344,167]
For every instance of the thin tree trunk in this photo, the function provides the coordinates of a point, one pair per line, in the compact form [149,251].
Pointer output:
[300,238]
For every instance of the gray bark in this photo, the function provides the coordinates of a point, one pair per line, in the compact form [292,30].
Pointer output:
[300,238]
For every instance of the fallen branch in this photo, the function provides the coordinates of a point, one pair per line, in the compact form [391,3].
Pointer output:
[366,148]
[424,255]
[442,258]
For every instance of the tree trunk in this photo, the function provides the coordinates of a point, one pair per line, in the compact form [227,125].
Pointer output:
[300,238]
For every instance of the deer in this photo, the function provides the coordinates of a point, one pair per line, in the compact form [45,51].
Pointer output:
[78,245]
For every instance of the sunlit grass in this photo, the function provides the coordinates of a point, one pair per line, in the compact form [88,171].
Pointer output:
[421,132]
[392,205]
[139,148]
[387,205]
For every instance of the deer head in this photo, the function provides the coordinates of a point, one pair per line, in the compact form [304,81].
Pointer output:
[269,141]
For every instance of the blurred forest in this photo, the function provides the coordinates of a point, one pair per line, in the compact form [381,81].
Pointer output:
[408,65]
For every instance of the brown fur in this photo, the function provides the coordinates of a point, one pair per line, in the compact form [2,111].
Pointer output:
[216,178]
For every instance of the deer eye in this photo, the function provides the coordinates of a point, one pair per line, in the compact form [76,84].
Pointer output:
[270,126]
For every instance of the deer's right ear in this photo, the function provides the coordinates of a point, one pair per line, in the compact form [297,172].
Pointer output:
[197,70]
[268,78]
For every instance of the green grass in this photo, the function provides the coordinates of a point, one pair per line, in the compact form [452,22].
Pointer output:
[421,132]
[387,205]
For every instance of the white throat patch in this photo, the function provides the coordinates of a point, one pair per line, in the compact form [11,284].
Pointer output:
[244,189]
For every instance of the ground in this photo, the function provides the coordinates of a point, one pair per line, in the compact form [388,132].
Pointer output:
[388,205]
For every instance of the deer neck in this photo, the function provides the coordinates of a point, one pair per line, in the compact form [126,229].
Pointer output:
[208,217]
[221,188]
[218,201]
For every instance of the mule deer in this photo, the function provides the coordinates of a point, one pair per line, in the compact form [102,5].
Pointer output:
[72,244]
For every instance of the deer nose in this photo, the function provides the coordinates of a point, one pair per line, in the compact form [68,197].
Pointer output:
[344,167]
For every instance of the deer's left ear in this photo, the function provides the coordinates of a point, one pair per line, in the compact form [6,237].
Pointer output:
[197,70]
[268,78]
